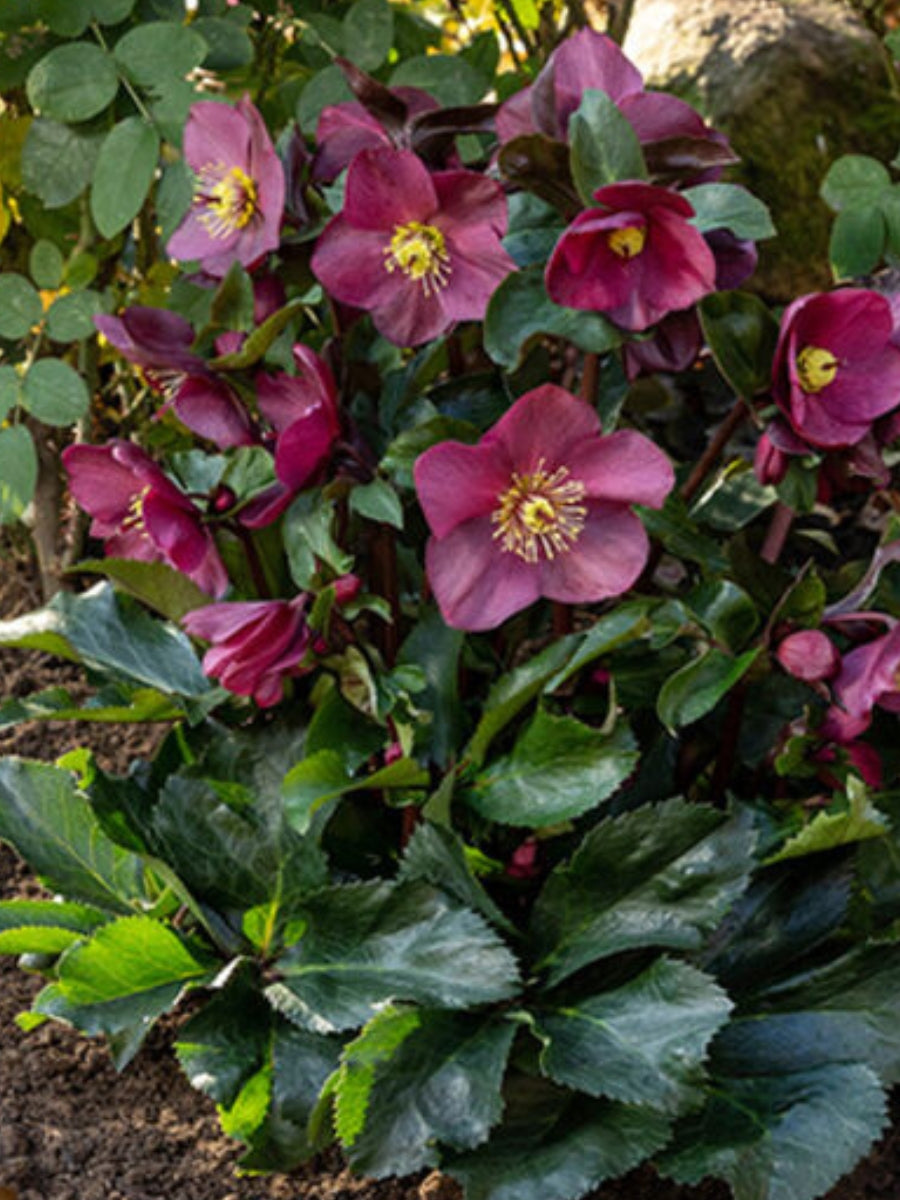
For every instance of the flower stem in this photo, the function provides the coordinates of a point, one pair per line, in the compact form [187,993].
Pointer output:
[713,451]
[777,533]
[590,374]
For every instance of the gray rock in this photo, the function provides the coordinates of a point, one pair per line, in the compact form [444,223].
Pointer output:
[795,84]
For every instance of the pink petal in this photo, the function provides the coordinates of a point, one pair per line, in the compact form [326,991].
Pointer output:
[456,483]
[349,263]
[386,188]
[468,200]
[626,468]
[477,584]
[478,264]
[546,424]
[303,448]
[608,557]
[211,409]
[215,132]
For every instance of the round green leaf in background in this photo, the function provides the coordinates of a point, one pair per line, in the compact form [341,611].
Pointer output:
[111,12]
[20,306]
[450,80]
[124,172]
[18,472]
[9,390]
[228,45]
[71,317]
[45,264]
[73,83]
[54,393]
[68,18]
[368,33]
[158,51]
[57,162]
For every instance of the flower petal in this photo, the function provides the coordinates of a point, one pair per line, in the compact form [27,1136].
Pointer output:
[386,188]
[546,424]
[608,557]
[625,467]
[477,584]
[456,483]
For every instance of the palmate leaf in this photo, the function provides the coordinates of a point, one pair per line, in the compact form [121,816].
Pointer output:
[554,1145]
[663,875]
[415,1077]
[643,1043]
[49,822]
[367,943]
[780,1137]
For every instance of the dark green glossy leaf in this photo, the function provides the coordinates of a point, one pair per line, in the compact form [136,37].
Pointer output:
[73,82]
[603,147]
[728,206]
[322,777]
[663,876]
[540,165]
[558,769]
[51,825]
[413,1078]
[369,942]
[697,688]
[436,855]
[742,335]
[435,648]
[123,174]
[520,310]
[725,610]
[643,1043]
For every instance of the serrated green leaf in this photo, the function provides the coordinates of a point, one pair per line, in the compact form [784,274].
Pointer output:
[413,1079]
[243,1117]
[696,689]
[643,1043]
[18,472]
[48,820]
[54,392]
[123,174]
[859,821]
[558,769]
[784,1137]
[37,939]
[436,855]
[51,914]
[729,206]
[663,875]
[20,306]
[366,943]
[555,1146]
[72,82]
[603,147]
[520,310]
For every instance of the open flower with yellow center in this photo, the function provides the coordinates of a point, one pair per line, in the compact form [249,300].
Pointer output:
[837,366]
[541,506]
[636,258]
[419,251]
[239,188]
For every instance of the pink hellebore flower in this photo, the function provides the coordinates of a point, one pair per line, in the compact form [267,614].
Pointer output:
[159,342]
[141,514]
[418,251]
[345,129]
[636,259]
[539,507]
[869,675]
[238,188]
[836,367]
[256,645]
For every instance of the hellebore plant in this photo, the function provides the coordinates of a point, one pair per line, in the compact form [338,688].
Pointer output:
[524,806]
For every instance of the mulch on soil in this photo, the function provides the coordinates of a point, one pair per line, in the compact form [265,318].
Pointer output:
[71,1128]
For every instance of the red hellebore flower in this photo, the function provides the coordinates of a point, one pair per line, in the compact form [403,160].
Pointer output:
[417,251]
[256,645]
[346,128]
[238,188]
[836,367]
[636,259]
[159,342]
[539,507]
[869,675]
[141,514]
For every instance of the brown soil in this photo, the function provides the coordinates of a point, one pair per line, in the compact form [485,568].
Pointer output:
[71,1128]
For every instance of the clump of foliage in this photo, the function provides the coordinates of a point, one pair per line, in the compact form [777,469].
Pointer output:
[519,594]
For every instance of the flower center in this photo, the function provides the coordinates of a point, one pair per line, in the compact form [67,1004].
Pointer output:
[135,517]
[420,252]
[540,514]
[816,368]
[627,242]
[229,197]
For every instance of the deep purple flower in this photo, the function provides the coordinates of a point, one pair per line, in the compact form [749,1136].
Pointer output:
[256,645]
[140,513]
[345,129]
[836,366]
[590,60]
[239,188]
[418,251]
[539,507]
[159,342]
[636,259]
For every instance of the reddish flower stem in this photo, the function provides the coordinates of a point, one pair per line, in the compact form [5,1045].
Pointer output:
[713,451]
[590,374]
[777,533]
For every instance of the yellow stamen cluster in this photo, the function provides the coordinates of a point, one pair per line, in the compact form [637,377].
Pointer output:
[420,252]
[135,518]
[228,197]
[540,514]
[816,368]
[627,242]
